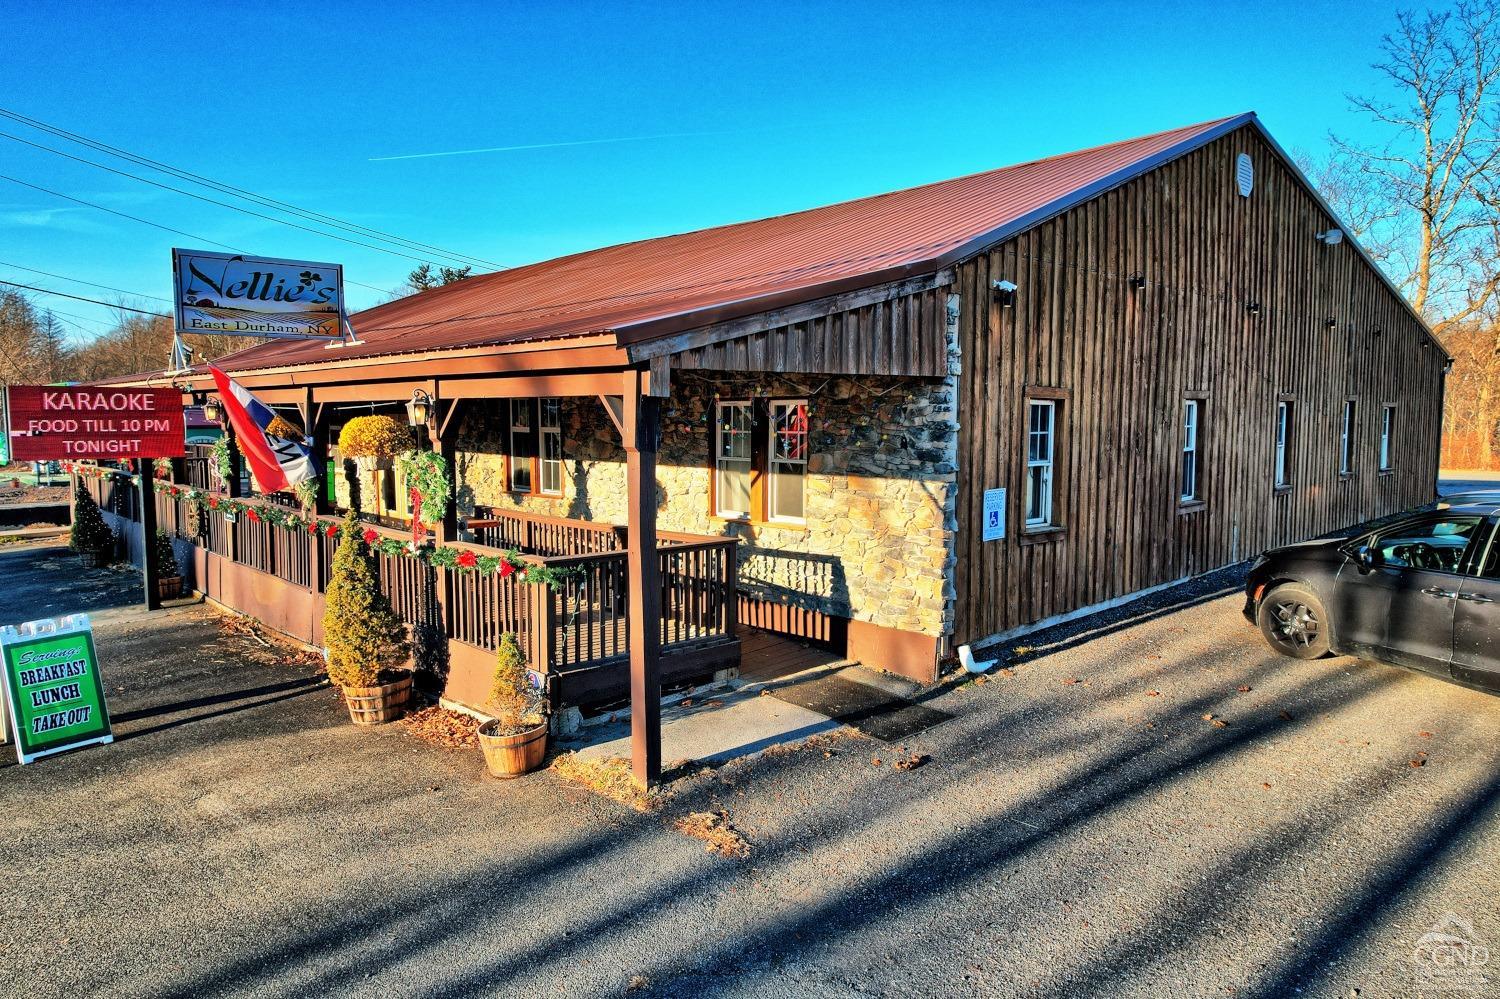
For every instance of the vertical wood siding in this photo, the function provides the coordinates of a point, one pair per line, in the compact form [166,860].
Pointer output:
[1126,359]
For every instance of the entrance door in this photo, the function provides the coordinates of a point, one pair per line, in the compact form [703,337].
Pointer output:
[1476,622]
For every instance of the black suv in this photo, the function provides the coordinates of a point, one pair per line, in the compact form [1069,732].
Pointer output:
[1421,591]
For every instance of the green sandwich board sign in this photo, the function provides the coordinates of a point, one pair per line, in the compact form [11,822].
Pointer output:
[52,686]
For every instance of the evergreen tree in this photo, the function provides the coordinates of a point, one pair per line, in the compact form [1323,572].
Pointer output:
[89,534]
[363,634]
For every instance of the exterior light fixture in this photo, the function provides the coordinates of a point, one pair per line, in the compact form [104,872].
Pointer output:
[1331,237]
[1136,281]
[1253,308]
[419,409]
[1331,322]
[1375,331]
[1005,293]
[213,411]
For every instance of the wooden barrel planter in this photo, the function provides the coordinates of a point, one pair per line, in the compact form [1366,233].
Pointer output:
[169,588]
[378,705]
[509,756]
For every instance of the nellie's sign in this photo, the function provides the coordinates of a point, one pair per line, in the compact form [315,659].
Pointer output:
[257,296]
[50,423]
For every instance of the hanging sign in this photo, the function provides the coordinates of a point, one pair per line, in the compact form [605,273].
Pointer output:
[51,423]
[52,686]
[257,296]
[994,515]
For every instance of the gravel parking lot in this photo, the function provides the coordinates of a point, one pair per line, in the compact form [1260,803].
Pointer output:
[1149,804]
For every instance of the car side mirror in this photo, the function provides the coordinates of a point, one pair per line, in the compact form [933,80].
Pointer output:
[1365,556]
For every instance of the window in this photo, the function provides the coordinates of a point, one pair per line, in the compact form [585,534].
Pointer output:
[1387,431]
[1283,444]
[1041,441]
[1436,545]
[1192,413]
[1490,567]
[522,445]
[733,459]
[788,461]
[551,462]
[1347,437]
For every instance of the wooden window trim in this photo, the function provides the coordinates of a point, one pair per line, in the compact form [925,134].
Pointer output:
[1199,501]
[760,462]
[1383,470]
[534,436]
[1056,530]
[1289,448]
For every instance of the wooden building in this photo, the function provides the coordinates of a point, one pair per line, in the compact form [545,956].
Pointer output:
[896,425]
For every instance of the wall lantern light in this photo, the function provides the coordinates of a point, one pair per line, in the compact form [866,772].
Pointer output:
[419,409]
[1253,308]
[1136,281]
[1005,293]
[213,411]
[1331,322]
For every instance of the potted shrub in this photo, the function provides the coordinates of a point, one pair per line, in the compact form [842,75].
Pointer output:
[168,572]
[374,441]
[365,641]
[515,740]
[90,536]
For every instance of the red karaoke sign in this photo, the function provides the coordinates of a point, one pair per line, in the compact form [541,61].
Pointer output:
[50,423]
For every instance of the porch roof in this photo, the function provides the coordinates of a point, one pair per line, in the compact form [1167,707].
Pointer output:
[634,293]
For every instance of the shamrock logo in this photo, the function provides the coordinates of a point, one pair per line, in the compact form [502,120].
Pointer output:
[308,277]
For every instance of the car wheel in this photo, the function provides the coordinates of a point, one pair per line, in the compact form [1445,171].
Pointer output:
[1294,622]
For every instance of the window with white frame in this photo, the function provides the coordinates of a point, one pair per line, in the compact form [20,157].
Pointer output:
[1387,438]
[787,461]
[1283,444]
[1347,438]
[1041,440]
[522,444]
[550,462]
[733,459]
[1192,466]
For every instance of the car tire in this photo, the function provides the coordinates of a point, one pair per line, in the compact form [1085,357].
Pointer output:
[1294,622]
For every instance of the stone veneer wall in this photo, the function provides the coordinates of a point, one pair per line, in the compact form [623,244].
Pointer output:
[878,543]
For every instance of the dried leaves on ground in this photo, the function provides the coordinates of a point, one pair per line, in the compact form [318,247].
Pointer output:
[442,727]
[611,778]
[715,830]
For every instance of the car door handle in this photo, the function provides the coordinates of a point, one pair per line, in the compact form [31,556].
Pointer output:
[1438,591]
[1476,598]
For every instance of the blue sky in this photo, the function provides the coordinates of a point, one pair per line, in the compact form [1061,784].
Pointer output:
[765,108]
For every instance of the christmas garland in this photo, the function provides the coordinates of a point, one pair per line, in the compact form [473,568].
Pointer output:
[507,563]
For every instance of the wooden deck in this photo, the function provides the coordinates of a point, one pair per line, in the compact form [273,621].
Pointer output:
[765,655]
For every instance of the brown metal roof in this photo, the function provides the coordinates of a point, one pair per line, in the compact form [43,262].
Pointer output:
[639,291]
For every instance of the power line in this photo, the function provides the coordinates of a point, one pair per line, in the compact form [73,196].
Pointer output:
[80,298]
[211,201]
[238,192]
[154,225]
[93,284]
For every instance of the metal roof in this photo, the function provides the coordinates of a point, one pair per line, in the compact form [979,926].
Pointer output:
[648,289]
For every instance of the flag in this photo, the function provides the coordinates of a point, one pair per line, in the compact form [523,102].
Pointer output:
[276,464]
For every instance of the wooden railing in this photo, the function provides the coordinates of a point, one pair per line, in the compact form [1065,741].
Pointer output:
[539,534]
[583,623]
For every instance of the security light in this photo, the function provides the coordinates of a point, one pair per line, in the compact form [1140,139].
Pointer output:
[1005,293]
[1332,237]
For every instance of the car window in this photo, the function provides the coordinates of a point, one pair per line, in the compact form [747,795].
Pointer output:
[1491,567]
[1437,545]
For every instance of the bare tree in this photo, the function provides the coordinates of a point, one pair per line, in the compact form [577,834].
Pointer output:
[1426,202]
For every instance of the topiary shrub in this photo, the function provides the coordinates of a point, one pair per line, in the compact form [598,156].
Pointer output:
[164,557]
[90,535]
[363,634]
[517,707]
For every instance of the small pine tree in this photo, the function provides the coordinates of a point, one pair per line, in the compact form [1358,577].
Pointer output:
[89,534]
[364,635]
[510,694]
[165,557]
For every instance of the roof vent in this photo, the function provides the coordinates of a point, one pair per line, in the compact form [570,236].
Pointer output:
[1244,174]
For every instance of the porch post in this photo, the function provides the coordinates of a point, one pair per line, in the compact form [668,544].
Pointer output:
[640,438]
